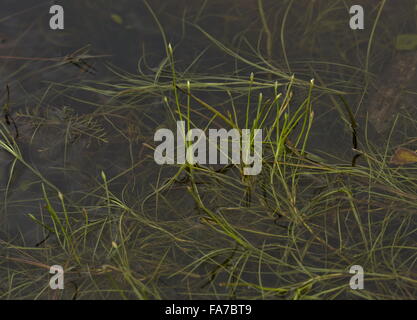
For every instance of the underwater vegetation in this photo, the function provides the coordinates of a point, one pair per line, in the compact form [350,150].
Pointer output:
[80,186]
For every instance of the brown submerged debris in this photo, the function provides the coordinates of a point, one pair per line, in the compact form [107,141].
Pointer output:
[403,156]
[385,102]
[6,112]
